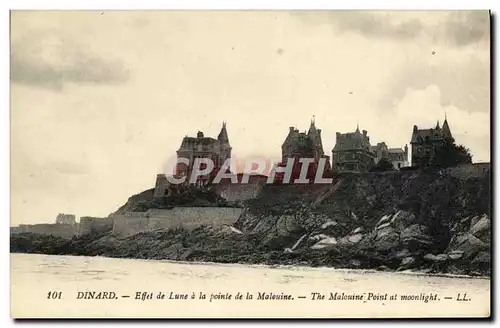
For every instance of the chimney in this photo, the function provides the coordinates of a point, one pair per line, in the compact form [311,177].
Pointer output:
[319,131]
[291,128]
[338,135]
[415,128]
[365,132]
[199,134]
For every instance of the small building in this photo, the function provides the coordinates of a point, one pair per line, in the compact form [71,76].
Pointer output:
[425,142]
[65,219]
[380,151]
[397,156]
[352,152]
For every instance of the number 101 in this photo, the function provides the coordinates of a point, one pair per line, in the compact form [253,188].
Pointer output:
[54,295]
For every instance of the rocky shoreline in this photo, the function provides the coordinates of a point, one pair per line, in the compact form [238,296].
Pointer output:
[420,221]
[377,249]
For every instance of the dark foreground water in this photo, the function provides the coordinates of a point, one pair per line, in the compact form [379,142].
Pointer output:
[127,288]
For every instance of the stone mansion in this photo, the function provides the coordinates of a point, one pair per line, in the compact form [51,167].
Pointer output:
[352,152]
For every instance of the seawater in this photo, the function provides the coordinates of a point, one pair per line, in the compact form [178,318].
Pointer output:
[167,289]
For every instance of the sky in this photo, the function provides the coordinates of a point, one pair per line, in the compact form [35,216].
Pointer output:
[100,101]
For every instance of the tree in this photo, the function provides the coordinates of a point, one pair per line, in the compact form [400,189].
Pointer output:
[450,155]
[383,165]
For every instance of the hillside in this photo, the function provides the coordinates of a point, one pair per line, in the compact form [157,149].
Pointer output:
[425,221]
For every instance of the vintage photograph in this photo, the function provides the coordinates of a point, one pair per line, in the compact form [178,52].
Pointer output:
[250,164]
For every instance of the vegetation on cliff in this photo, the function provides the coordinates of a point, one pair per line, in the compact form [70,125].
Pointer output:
[451,154]
[186,197]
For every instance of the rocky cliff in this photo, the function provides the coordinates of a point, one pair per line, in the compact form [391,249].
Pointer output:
[425,221]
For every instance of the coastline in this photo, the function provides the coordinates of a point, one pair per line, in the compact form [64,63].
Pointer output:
[287,267]
[208,246]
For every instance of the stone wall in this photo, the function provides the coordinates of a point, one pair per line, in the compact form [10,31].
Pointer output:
[467,171]
[234,192]
[186,217]
[60,230]
[65,218]
[91,224]
[238,192]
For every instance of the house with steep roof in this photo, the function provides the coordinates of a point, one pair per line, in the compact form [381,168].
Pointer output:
[425,143]
[397,156]
[353,152]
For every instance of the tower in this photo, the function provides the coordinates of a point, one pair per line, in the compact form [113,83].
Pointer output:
[446,130]
[225,147]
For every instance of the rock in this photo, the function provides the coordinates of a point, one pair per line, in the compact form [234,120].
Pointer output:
[436,258]
[355,263]
[328,224]
[464,220]
[318,237]
[482,258]
[351,239]
[383,220]
[481,229]
[358,230]
[383,268]
[473,221]
[402,254]
[324,243]
[298,242]
[225,231]
[402,219]
[455,255]
[233,229]
[466,243]
[386,239]
[407,263]
[416,236]
[356,238]
[382,226]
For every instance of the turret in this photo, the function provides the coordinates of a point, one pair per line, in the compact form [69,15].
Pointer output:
[312,128]
[223,138]
[446,130]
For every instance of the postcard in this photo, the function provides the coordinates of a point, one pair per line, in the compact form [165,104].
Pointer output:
[250,164]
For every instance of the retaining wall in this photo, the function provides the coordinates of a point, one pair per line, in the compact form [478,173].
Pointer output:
[186,217]
[60,230]
[467,171]
[90,224]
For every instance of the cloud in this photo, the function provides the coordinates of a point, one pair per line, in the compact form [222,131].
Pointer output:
[458,28]
[465,84]
[424,108]
[467,27]
[372,25]
[66,64]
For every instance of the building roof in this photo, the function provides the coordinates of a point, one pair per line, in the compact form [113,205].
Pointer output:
[436,133]
[352,140]
[426,134]
[223,134]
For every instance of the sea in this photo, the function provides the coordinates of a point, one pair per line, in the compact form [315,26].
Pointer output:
[47,286]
